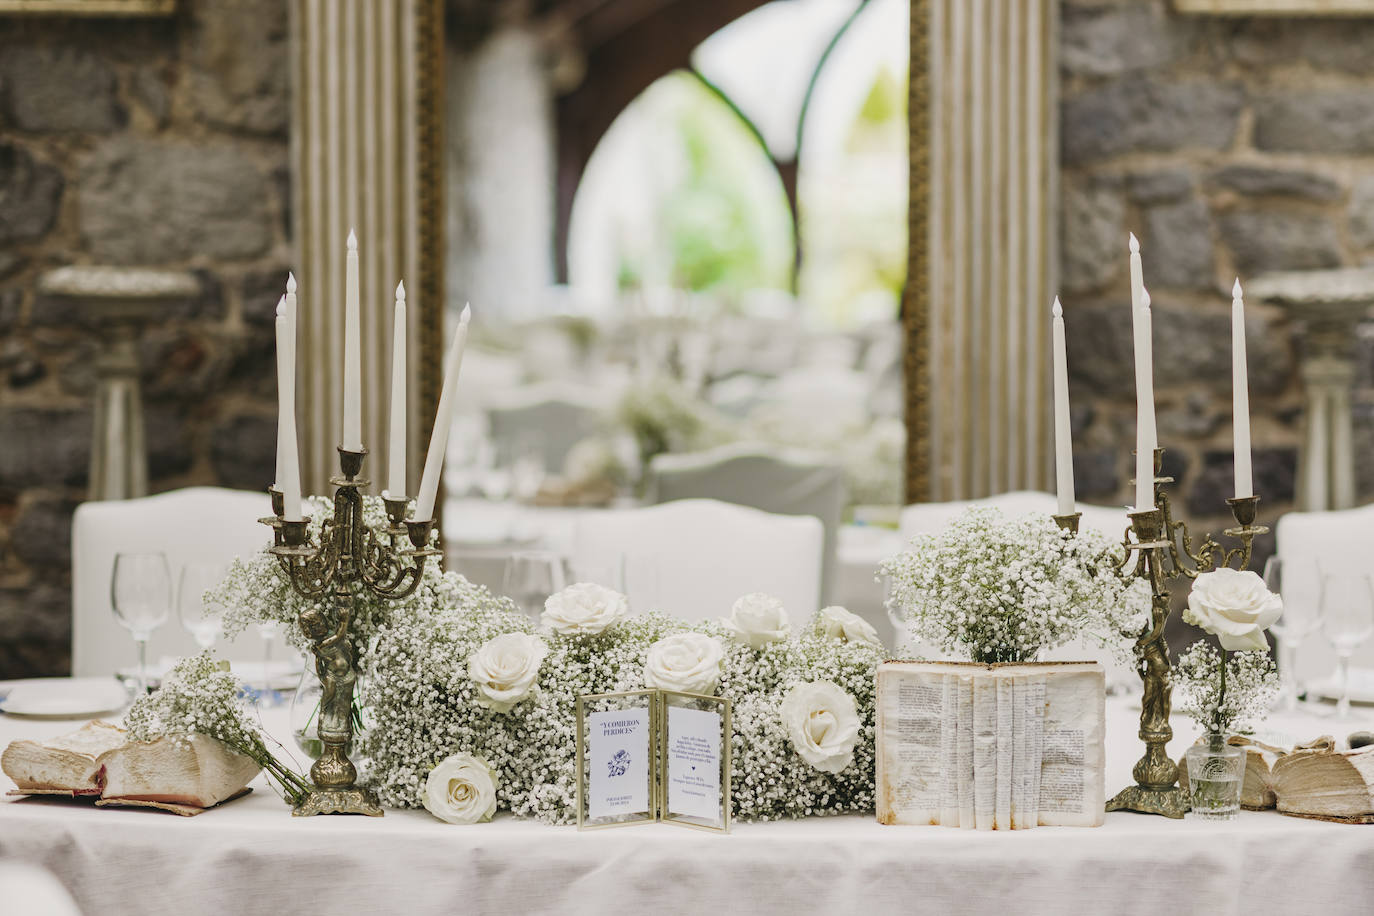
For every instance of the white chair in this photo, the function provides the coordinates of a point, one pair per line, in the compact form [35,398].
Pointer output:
[195,525]
[1340,541]
[786,482]
[931,518]
[549,416]
[694,557]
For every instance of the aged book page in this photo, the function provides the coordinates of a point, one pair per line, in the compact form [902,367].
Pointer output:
[984,753]
[1072,784]
[964,736]
[912,711]
[67,763]
[992,747]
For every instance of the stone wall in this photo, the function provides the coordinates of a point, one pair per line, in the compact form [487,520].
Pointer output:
[1230,147]
[159,142]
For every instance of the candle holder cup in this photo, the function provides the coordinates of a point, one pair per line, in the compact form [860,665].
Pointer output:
[1069,522]
[348,560]
[1163,551]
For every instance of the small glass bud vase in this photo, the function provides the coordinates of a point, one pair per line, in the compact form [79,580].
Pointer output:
[1216,773]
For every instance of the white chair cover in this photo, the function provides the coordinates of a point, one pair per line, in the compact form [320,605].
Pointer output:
[705,554]
[553,415]
[784,482]
[1340,541]
[195,525]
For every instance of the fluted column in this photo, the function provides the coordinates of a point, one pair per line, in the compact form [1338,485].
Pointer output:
[991,245]
[366,148]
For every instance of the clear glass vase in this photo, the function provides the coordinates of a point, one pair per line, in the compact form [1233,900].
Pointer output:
[305,715]
[1216,773]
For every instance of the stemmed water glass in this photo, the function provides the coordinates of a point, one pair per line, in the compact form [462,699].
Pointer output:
[202,619]
[1299,583]
[141,595]
[1347,621]
[531,577]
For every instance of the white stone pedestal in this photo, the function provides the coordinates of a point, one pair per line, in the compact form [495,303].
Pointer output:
[119,299]
[1330,304]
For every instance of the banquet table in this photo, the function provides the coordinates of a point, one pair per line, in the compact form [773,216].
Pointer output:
[250,856]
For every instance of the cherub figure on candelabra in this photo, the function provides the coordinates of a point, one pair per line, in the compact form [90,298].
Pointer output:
[338,676]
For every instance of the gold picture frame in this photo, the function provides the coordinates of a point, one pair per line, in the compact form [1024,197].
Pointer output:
[626,701]
[663,754]
[667,701]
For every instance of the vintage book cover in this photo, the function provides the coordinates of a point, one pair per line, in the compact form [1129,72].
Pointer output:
[991,747]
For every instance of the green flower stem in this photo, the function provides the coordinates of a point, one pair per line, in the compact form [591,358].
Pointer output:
[1221,693]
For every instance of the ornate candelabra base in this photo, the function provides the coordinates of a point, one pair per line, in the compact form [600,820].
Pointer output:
[1170,802]
[348,800]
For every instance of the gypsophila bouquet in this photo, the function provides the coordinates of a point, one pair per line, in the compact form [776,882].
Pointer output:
[1004,591]
[256,590]
[1225,692]
[200,697]
[431,682]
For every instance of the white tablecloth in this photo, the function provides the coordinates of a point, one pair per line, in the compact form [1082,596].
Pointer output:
[251,857]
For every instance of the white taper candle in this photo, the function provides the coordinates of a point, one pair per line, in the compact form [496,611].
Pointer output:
[1240,395]
[352,380]
[289,459]
[1063,430]
[396,455]
[281,406]
[1145,412]
[438,439]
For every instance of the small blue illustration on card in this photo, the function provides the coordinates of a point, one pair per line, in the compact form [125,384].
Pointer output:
[619,763]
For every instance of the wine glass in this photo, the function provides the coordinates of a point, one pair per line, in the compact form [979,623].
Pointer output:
[201,618]
[141,595]
[268,630]
[1299,583]
[531,577]
[1347,621]
[609,573]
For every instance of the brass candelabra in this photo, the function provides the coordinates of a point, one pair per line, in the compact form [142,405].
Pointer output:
[1163,550]
[348,560]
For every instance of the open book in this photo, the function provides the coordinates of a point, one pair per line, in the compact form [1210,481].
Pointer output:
[1311,780]
[991,747]
[184,777]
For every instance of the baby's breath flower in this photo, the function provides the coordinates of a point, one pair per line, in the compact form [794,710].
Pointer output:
[1004,591]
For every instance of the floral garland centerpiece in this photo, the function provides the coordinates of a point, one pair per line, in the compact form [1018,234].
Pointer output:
[474,705]
[998,590]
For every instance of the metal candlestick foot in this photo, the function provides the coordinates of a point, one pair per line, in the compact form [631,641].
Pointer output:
[350,800]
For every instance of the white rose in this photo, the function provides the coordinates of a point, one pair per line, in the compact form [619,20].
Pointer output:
[823,724]
[758,619]
[1235,607]
[686,662]
[505,668]
[584,608]
[461,790]
[842,625]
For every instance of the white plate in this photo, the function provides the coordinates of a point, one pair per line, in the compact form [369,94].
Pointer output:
[65,697]
[1361,686]
[281,675]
